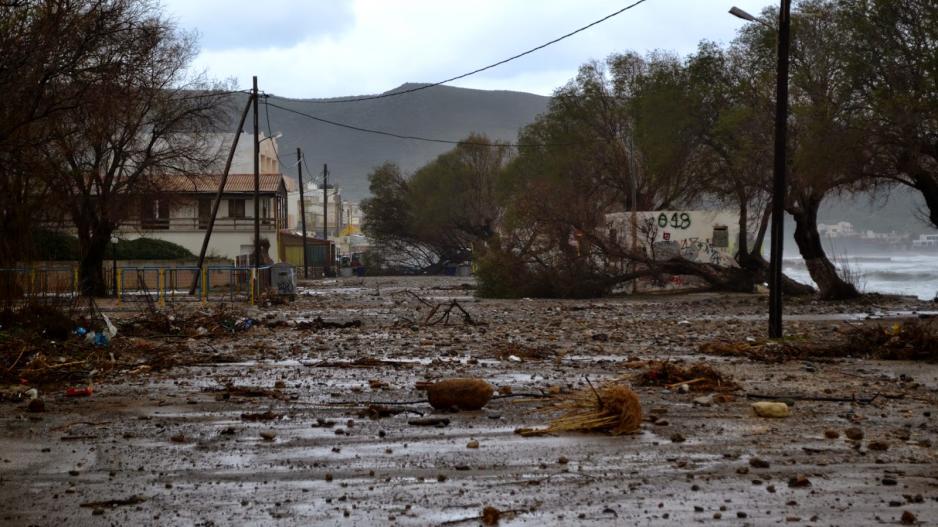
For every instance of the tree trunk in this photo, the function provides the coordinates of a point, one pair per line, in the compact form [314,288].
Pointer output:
[823,272]
[928,186]
[751,260]
[90,272]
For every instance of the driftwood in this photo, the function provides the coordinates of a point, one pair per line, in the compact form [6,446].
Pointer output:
[441,311]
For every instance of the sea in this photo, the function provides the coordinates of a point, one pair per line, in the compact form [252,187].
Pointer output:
[901,273]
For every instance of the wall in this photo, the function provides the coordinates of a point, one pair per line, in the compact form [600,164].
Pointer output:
[223,244]
[689,233]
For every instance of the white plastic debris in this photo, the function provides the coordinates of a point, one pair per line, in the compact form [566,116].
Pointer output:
[771,409]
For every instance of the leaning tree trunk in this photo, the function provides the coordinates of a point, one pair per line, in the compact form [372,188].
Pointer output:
[751,259]
[90,272]
[928,186]
[830,285]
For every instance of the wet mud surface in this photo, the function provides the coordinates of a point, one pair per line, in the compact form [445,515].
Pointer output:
[177,447]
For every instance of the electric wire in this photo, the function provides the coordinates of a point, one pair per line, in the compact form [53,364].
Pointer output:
[484,68]
[427,139]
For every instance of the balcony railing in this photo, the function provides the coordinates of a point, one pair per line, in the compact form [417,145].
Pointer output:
[201,224]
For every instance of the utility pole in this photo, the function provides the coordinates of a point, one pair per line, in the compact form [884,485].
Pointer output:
[325,213]
[325,202]
[778,180]
[221,191]
[299,168]
[257,193]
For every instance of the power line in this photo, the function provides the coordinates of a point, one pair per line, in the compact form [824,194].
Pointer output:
[484,68]
[419,138]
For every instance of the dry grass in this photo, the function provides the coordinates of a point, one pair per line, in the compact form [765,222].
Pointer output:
[612,408]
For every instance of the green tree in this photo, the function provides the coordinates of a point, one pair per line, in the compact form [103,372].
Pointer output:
[890,49]
[447,207]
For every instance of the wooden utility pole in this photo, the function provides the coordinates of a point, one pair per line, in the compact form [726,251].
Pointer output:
[325,213]
[218,195]
[299,168]
[257,192]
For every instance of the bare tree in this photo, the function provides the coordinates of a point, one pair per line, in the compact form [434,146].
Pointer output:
[141,117]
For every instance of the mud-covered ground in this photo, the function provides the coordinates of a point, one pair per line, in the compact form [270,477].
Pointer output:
[179,449]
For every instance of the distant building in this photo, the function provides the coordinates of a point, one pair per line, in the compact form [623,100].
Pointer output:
[314,197]
[841,229]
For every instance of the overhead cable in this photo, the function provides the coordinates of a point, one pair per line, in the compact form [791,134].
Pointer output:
[425,139]
[479,70]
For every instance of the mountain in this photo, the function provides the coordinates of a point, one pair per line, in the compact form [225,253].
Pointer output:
[442,112]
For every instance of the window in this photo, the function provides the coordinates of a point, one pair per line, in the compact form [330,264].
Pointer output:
[205,212]
[265,210]
[721,236]
[236,208]
[154,214]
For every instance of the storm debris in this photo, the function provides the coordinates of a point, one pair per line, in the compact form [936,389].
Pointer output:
[771,409]
[463,394]
[110,504]
[698,377]
[613,408]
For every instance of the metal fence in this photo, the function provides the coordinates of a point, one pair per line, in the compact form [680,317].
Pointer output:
[38,284]
[139,284]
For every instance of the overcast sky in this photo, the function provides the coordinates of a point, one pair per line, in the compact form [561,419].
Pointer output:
[334,48]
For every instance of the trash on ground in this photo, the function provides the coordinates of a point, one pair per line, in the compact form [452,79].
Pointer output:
[698,377]
[771,409]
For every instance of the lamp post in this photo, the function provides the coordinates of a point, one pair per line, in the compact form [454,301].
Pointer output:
[114,240]
[778,176]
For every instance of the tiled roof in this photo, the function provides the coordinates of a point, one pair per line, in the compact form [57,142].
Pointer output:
[236,183]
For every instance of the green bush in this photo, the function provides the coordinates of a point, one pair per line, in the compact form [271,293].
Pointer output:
[51,245]
[150,249]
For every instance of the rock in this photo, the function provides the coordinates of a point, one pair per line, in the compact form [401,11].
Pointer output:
[758,463]
[890,482]
[706,400]
[490,516]
[908,518]
[831,434]
[677,438]
[799,481]
[855,434]
[684,388]
[472,444]
[878,445]
[464,394]
[268,436]
[563,460]
[771,409]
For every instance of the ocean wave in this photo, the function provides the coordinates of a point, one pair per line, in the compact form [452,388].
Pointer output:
[900,276]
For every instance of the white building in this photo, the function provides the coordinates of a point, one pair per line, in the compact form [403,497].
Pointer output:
[181,212]
[315,197]
[699,235]
[841,229]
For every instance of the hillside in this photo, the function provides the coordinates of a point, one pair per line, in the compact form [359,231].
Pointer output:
[453,113]
[439,112]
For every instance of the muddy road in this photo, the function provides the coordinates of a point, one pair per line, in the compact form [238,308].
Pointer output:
[275,429]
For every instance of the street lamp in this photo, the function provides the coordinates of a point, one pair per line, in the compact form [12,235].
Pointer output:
[778,176]
[114,240]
